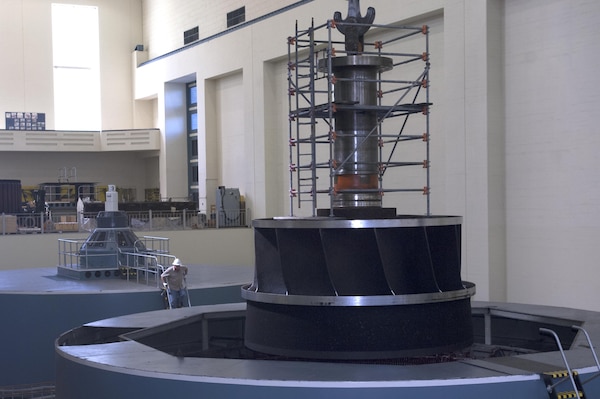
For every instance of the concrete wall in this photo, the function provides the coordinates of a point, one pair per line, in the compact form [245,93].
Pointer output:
[552,152]
[26,48]
[27,85]
[505,154]
[33,168]
[165,21]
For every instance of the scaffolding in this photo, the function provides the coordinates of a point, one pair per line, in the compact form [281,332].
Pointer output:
[312,109]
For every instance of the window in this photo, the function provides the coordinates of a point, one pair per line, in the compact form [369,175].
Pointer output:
[193,148]
[190,35]
[192,141]
[192,95]
[76,62]
[192,108]
[193,127]
[193,174]
[236,17]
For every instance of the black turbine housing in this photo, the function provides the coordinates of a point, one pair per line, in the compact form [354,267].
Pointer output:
[338,288]
[357,281]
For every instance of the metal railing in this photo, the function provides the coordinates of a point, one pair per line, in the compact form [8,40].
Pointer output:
[154,245]
[44,222]
[145,266]
[45,390]
[71,252]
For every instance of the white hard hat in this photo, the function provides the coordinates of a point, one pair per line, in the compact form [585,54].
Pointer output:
[176,262]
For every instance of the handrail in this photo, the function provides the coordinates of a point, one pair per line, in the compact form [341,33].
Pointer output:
[546,331]
[149,265]
[66,219]
[148,261]
[578,328]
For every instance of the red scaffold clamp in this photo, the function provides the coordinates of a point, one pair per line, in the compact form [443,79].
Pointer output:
[426,190]
[293,193]
[292,167]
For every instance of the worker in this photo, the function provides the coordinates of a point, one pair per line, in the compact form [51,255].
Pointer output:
[174,281]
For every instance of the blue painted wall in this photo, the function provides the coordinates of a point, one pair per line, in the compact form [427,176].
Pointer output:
[92,383]
[31,322]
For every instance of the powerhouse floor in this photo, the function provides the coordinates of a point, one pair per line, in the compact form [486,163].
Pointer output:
[38,306]
[46,280]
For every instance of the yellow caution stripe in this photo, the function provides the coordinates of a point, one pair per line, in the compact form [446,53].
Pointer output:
[559,374]
[568,394]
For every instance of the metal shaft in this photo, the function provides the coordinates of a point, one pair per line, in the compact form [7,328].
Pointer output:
[356,156]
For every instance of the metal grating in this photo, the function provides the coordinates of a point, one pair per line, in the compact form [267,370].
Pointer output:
[42,390]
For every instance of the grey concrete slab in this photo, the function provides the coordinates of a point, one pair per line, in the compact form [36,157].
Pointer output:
[46,280]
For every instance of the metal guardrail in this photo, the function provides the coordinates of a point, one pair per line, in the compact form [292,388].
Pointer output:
[44,222]
[145,265]
[45,390]
[70,253]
